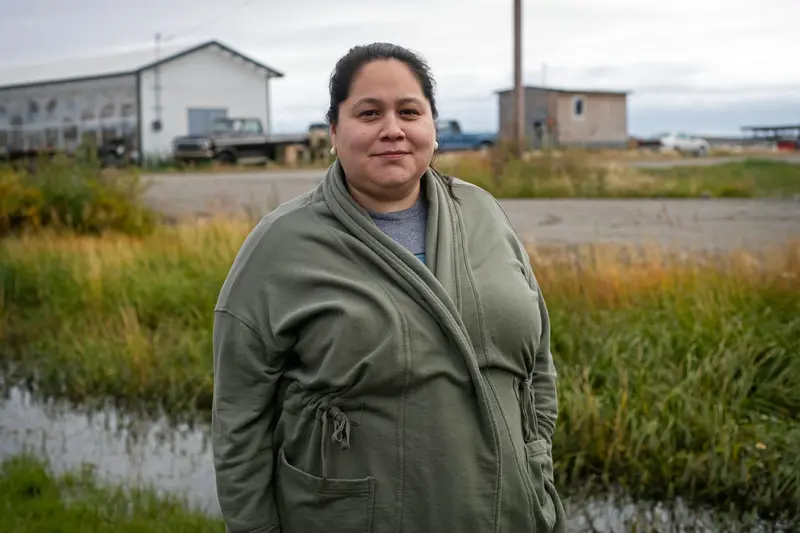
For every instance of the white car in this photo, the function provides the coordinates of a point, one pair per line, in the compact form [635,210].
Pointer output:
[685,144]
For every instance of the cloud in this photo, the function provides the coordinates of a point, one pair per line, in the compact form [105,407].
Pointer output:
[677,57]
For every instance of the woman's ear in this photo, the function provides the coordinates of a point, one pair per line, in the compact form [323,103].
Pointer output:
[332,134]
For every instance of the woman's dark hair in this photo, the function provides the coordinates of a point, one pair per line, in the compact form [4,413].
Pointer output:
[354,60]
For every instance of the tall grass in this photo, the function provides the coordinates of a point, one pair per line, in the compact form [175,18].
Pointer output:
[576,173]
[752,178]
[117,317]
[34,499]
[677,373]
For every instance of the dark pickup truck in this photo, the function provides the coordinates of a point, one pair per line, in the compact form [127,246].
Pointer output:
[229,141]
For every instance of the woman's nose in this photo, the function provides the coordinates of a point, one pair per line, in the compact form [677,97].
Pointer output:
[392,129]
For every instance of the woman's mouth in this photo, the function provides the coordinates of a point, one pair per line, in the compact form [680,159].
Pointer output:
[391,154]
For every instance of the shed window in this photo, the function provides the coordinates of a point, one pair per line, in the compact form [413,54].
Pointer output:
[578,107]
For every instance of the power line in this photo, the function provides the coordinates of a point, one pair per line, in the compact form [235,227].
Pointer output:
[195,27]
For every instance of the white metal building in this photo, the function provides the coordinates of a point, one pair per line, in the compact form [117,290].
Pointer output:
[147,97]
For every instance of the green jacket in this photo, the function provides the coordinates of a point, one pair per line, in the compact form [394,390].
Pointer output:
[358,390]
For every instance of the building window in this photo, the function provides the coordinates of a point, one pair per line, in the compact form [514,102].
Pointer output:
[51,137]
[36,139]
[128,110]
[107,111]
[578,107]
[70,133]
[50,108]
[33,110]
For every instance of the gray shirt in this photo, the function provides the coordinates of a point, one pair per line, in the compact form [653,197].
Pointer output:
[406,227]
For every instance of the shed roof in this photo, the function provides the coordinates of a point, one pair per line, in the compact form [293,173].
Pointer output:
[569,91]
[771,128]
[111,65]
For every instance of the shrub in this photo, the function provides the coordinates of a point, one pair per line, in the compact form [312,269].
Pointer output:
[547,174]
[73,193]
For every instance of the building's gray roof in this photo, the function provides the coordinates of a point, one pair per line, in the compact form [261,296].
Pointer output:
[108,65]
[568,91]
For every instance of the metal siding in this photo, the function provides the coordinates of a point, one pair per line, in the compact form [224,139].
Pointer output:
[505,116]
[139,123]
[604,123]
[268,123]
[540,104]
[205,79]
[536,109]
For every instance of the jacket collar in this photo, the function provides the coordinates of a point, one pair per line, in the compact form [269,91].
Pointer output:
[443,276]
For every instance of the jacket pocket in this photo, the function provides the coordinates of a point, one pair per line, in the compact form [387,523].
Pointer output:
[540,468]
[310,504]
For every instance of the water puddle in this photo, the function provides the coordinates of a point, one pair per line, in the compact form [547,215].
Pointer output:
[178,459]
[123,449]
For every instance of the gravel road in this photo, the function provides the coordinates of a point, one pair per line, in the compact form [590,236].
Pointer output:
[687,223]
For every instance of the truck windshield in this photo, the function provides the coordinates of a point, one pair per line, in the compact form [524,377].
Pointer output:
[228,125]
[222,126]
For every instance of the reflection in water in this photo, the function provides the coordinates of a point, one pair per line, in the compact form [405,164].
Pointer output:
[178,459]
[123,449]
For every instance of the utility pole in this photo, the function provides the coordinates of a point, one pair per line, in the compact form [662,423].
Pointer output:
[157,125]
[519,95]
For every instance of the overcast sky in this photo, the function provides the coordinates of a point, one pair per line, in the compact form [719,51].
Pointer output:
[705,66]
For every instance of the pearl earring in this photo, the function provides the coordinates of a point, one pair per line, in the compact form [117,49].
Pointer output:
[435,146]
[333,150]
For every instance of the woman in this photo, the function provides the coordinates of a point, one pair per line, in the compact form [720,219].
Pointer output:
[381,348]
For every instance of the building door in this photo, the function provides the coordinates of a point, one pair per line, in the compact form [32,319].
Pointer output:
[200,119]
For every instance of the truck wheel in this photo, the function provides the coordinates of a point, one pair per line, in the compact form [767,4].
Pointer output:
[110,161]
[226,158]
[485,147]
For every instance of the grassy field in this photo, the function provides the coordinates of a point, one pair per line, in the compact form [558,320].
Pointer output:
[677,374]
[34,499]
[576,174]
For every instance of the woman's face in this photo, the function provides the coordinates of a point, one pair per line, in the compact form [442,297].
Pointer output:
[384,135]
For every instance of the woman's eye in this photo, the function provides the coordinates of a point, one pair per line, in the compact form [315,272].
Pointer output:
[368,113]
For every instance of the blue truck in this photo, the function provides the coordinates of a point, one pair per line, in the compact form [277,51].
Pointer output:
[451,138]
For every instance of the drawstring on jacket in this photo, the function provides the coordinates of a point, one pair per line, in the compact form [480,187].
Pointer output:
[341,427]
[341,433]
[530,424]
